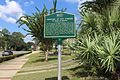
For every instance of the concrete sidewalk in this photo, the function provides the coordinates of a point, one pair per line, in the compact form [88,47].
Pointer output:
[9,68]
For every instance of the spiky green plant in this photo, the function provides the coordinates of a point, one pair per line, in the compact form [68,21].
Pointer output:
[109,52]
[86,47]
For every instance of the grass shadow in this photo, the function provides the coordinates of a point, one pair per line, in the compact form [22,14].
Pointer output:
[55,78]
[84,71]
[43,59]
[80,71]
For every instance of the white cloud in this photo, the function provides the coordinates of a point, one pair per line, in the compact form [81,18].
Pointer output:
[28,38]
[77,1]
[11,20]
[10,11]
[73,1]
[7,18]
[0,28]
[28,3]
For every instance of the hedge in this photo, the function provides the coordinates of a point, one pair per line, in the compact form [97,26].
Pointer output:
[6,58]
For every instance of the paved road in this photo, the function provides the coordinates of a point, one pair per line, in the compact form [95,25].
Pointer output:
[15,52]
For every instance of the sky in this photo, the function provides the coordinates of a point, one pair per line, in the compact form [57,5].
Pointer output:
[12,10]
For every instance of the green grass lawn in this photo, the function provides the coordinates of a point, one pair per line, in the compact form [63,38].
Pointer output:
[49,75]
[37,60]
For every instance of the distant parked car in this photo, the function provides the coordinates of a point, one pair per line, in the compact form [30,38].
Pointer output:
[7,53]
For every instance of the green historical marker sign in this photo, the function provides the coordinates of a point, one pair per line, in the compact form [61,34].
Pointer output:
[59,25]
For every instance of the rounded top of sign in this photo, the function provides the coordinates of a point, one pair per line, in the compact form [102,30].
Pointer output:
[59,14]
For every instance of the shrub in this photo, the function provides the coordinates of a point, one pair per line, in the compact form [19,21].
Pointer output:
[102,53]
[6,58]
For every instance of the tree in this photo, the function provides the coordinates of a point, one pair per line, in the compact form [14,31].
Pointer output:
[5,37]
[12,41]
[2,43]
[35,23]
[5,31]
[18,35]
[31,46]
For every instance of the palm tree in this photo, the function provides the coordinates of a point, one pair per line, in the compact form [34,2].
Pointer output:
[35,23]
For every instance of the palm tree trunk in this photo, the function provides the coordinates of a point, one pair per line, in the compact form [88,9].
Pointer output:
[5,45]
[47,51]
[46,55]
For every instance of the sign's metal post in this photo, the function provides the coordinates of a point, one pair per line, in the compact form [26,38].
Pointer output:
[59,58]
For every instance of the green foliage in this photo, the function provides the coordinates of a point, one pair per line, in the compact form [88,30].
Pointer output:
[109,51]
[103,23]
[86,49]
[99,37]
[43,47]
[18,35]
[35,23]
[12,41]
[98,6]
[5,32]
[101,53]
[6,58]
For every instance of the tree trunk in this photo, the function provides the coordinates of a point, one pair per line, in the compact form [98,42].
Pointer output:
[5,45]
[46,55]
[47,43]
